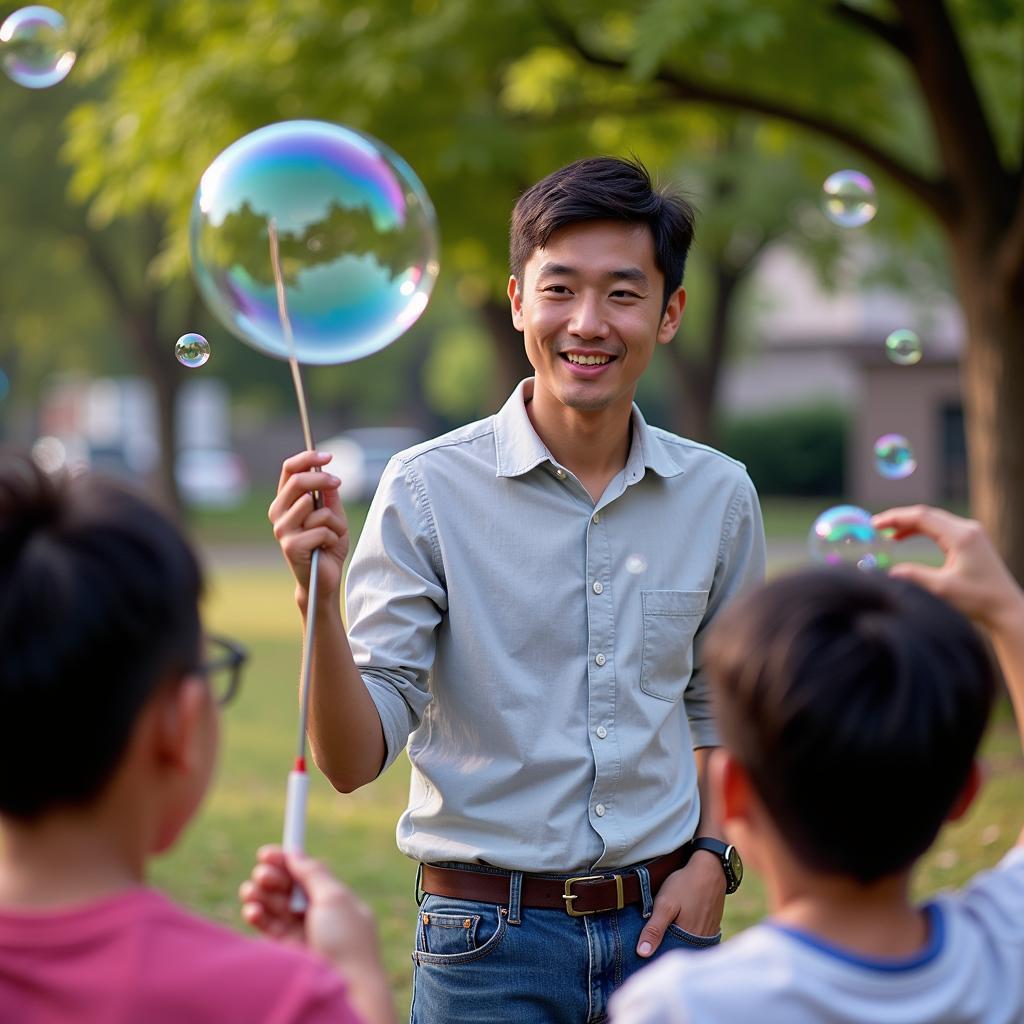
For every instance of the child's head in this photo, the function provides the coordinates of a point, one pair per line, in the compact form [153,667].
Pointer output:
[854,704]
[98,618]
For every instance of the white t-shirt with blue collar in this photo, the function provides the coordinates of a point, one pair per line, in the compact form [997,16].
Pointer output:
[970,972]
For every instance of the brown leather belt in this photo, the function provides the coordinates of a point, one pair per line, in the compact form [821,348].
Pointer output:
[577,895]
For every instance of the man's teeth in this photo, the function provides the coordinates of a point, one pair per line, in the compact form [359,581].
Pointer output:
[586,360]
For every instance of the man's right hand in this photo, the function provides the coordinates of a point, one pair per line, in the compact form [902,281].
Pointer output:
[300,528]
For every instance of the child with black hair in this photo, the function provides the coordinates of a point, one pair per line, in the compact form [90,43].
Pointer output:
[851,707]
[108,736]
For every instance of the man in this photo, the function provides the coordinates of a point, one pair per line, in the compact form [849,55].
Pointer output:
[526,607]
[108,736]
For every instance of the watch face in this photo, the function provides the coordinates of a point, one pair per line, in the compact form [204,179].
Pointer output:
[735,864]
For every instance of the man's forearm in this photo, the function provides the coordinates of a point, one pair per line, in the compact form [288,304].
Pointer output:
[345,730]
[710,823]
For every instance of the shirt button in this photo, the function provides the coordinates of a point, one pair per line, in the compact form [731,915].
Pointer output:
[601,732]
[599,810]
[600,659]
[560,473]
[598,586]
[596,517]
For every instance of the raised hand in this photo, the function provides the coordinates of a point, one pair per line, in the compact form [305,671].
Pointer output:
[300,528]
[973,577]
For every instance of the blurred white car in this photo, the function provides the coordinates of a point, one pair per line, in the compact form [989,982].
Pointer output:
[211,477]
[360,456]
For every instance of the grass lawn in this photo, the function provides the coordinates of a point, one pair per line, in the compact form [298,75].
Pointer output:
[251,600]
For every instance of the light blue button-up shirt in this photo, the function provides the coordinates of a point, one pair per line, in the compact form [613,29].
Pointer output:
[541,653]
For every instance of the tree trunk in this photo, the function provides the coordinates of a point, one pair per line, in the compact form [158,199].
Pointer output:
[993,393]
[510,353]
[164,374]
[140,317]
[698,379]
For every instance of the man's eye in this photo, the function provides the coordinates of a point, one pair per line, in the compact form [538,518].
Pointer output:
[557,289]
[622,294]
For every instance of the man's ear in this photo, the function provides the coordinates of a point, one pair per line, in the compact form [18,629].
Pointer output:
[180,719]
[672,315]
[515,299]
[967,793]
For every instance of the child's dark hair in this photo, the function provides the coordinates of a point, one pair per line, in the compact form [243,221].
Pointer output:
[98,606]
[856,703]
[603,188]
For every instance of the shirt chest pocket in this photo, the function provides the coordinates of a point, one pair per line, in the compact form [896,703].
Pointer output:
[671,618]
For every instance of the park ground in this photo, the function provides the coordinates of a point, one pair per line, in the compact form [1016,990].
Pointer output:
[250,598]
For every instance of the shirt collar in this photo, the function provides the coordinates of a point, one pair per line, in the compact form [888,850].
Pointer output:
[519,449]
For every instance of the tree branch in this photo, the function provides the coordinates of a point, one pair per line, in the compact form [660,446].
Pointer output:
[1009,262]
[104,267]
[935,194]
[893,34]
[963,132]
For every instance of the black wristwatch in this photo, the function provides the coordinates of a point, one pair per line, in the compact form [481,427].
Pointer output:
[727,854]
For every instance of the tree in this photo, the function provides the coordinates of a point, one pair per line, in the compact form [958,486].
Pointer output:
[920,89]
[77,291]
[478,135]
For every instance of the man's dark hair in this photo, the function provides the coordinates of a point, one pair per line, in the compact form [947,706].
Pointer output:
[98,607]
[856,703]
[603,188]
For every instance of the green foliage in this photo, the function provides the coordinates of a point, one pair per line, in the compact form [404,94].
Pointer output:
[481,99]
[458,375]
[795,452]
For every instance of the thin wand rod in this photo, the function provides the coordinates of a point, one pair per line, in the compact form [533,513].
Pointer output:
[314,565]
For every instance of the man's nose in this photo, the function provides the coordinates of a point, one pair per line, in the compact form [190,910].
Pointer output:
[588,319]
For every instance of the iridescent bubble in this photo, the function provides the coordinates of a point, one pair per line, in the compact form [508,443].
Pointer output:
[34,47]
[849,199]
[357,238]
[192,350]
[894,458]
[636,564]
[903,347]
[845,535]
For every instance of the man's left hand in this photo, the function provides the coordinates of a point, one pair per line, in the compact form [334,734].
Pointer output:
[693,898]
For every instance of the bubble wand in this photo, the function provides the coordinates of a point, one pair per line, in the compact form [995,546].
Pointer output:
[294,839]
[365,237]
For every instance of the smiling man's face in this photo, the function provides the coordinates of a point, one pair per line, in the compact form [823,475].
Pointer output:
[589,307]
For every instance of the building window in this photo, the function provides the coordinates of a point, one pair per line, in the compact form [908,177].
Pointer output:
[953,478]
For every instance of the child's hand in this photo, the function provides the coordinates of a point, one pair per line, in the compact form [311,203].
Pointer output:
[336,923]
[973,577]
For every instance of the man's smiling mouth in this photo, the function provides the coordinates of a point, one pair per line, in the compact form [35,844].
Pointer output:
[579,360]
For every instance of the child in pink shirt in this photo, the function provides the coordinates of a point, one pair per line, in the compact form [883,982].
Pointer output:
[108,736]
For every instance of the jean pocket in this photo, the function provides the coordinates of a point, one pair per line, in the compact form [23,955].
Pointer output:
[693,941]
[670,619]
[447,934]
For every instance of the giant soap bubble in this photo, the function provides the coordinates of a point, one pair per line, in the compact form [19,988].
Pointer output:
[356,232]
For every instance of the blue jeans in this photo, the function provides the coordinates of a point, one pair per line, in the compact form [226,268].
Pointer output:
[478,963]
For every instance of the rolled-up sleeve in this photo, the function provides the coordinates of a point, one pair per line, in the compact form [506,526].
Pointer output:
[740,564]
[395,598]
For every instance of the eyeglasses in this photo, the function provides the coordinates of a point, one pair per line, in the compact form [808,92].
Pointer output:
[223,669]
